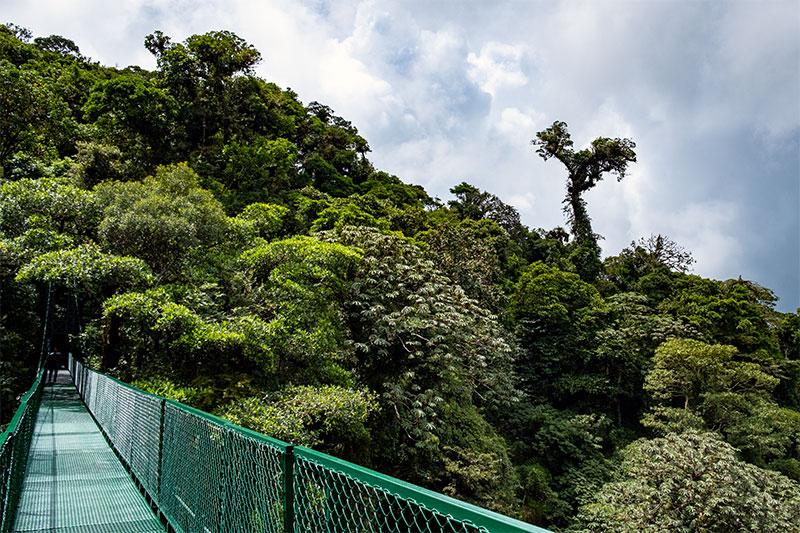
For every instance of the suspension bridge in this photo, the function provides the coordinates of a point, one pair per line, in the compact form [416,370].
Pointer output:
[88,453]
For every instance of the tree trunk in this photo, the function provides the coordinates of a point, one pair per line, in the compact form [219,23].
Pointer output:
[111,341]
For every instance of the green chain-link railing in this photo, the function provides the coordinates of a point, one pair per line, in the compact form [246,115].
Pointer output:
[205,474]
[15,443]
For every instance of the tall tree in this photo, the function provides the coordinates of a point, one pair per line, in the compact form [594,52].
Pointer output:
[585,167]
[199,74]
[134,115]
[24,114]
[165,220]
[437,360]
[58,45]
[473,203]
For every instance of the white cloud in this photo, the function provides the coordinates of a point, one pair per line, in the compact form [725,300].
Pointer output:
[346,80]
[704,228]
[636,191]
[498,65]
[519,127]
[608,121]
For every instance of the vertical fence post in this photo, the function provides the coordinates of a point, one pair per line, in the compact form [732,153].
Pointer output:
[225,479]
[7,439]
[160,468]
[288,490]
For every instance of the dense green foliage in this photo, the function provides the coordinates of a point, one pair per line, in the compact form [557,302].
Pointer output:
[198,231]
[692,482]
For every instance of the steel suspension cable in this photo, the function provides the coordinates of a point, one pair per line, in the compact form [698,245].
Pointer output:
[45,329]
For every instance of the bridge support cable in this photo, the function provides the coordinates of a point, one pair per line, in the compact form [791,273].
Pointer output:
[46,327]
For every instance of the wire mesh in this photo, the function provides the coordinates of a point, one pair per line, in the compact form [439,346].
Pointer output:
[145,456]
[330,500]
[5,468]
[192,467]
[103,402]
[207,475]
[254,485]
[15,443]
[123,420]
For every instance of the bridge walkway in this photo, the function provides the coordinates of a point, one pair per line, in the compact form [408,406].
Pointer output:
[74,483]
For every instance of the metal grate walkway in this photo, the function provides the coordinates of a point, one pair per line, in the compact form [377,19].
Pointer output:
[74,482]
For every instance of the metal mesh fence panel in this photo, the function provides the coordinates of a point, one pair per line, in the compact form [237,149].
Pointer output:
[6,507]
[192,468]
[330,500]
[254,484]
[90,398]
[15,443]
[145,457]
[334,495]
[123,420]
[108,407]
[112,413]
[104,403]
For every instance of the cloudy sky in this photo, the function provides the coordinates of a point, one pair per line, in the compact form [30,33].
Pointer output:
[451,91]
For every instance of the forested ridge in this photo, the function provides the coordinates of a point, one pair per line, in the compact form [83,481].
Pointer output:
[223,244]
